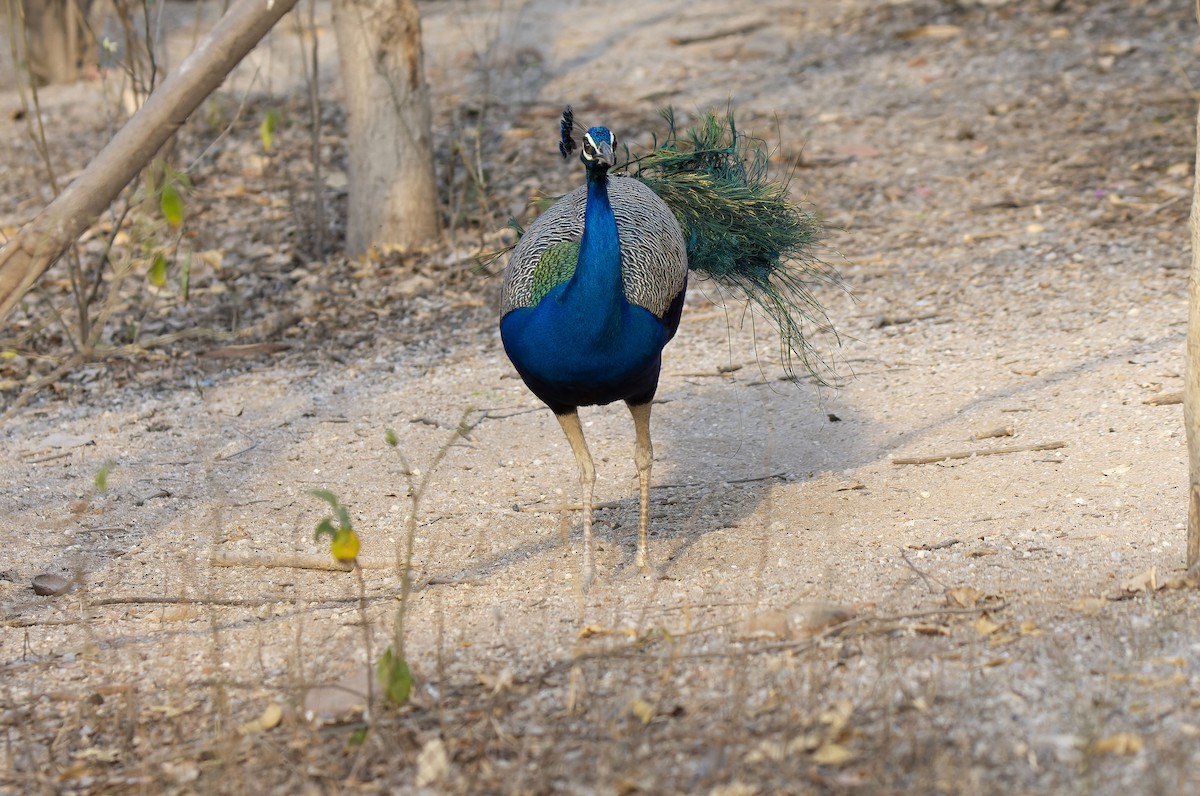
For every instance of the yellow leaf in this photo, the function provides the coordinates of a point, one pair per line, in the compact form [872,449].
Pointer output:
[642,709]
[832,754]
[1123,743]
[270,718]
[344,545]
[266,129]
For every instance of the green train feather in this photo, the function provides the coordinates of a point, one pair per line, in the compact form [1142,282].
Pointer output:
[741,227]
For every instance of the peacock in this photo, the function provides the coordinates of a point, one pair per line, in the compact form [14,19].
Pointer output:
[594,289]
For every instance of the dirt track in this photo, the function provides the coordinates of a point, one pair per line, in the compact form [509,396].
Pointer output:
[1008,185]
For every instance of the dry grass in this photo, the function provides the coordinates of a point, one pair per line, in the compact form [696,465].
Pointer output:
[1029,298]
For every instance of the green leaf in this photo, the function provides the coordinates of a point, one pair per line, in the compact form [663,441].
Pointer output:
[102,476]
[324,528]
[185,275]
[390,437]
[394,675]
[326,495]
[358,737]
[266,130]
[343,516]
[171,204]
[158,270]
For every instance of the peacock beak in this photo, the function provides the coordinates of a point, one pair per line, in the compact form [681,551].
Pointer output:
[604,155]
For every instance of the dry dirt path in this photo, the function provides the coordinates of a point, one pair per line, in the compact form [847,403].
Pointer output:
[1009,185]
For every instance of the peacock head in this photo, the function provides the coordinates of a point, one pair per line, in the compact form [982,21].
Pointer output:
[597,152]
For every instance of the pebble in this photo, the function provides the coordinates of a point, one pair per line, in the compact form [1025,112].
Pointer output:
[50,585]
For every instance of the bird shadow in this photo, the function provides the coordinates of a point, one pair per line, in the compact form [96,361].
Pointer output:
[722,446]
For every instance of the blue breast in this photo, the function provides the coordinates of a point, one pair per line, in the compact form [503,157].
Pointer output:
[566,365]
[584,343]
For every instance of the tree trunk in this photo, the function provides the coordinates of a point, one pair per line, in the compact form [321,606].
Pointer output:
[1191,383]
[393,192]
[43,240]
[1191,366]
[57,39]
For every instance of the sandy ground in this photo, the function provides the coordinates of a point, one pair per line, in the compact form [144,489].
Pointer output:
[1007,186]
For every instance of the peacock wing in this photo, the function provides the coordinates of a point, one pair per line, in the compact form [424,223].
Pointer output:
[653,252]
[546,254]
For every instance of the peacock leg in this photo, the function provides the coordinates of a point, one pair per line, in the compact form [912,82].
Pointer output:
[643,455]
[587,478]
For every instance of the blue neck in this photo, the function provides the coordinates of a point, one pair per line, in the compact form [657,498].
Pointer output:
[596,286]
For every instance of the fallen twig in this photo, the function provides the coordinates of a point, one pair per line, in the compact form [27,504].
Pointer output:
[1165,399]
[51,457]
[991,433]
[749,27]
[925,578]
[941,457]
[883,321]
[942,545]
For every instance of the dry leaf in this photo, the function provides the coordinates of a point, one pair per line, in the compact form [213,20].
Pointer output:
[1089,606]
[984,625]
[433,763]
[98,754]
[587,631]
[1151,680]
[837,717]
[803,743]
[962,596]
[1143,581]
[497,683]
[170,711]
[1123,743]
[801,621]
[931,630]
[1030,628]
[269,720]
[832,754]
[930,32]
[1001,639]
[772,751]
[1186,582]
[734,789]
[981,552]
[181,773]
